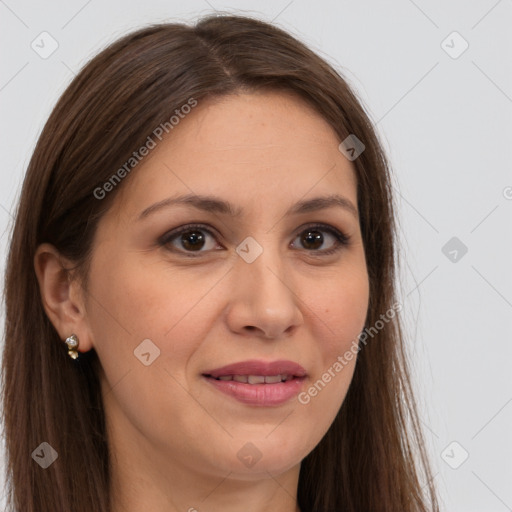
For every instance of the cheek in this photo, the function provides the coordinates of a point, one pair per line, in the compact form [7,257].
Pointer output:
[341,308]
[131,302]
[337,316]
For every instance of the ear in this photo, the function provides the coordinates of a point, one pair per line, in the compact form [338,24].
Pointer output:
[62,296]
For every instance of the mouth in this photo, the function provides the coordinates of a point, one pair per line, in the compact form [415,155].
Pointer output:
[254,379]
[257,382]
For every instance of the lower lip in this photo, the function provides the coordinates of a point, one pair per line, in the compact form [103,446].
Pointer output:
[263,395]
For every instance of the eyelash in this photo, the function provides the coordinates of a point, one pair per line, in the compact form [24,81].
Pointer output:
[342,240]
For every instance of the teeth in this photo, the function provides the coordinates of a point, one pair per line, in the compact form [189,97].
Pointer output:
[273,379]
[256,379]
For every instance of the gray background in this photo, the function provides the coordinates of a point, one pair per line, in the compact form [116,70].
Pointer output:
[445,118]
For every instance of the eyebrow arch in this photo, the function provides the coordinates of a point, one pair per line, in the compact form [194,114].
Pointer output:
[213,204]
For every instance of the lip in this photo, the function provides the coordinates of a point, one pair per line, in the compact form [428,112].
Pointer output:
[256,367]
[262,395]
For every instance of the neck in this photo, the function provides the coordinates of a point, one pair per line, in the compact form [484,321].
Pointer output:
[179,489]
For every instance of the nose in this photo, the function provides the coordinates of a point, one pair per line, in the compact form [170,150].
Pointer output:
[263,301]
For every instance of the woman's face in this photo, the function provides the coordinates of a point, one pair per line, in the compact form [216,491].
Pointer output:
[268,282]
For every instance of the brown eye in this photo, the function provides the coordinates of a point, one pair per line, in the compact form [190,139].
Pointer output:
[322,240]
[192,240]
[312,239]
[189,239]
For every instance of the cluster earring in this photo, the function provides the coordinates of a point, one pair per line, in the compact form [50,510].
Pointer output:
[72,343]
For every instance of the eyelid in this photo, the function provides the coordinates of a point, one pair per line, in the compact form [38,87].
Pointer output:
[166,239]
[342,239]
[324,227]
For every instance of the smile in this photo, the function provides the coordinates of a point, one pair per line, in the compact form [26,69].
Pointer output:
[255,379]
[258,382]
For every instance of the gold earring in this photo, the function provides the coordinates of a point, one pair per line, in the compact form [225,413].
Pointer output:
[72,343]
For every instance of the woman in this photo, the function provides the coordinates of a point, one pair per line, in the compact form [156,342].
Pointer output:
[200,302]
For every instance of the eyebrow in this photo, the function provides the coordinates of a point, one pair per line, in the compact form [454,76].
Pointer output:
[213,204]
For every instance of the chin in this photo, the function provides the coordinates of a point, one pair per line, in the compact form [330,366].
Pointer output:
[261,457]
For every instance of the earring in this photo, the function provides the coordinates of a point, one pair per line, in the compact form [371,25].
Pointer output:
[72,343]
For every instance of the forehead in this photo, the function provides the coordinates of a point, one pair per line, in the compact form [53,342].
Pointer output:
[246,148]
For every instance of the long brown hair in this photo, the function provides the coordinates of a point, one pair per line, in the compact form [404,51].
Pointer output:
[372,457]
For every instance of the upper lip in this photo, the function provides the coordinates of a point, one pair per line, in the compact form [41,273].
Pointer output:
[255,367]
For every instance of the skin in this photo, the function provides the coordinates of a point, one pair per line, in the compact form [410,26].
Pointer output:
[175,438]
